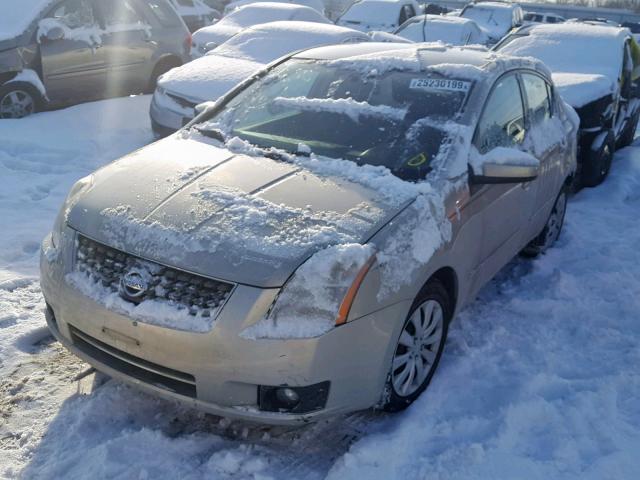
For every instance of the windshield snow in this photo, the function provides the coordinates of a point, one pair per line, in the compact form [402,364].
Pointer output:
[394,119]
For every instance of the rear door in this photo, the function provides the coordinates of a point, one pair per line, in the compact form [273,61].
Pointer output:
[127,47]
[506,208]
[71,69]
[541,144]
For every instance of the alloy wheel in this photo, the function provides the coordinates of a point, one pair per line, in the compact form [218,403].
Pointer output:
[417,348]
[17,104]
[554,224]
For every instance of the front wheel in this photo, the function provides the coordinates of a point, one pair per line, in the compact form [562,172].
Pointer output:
[19,99]
[598,163]
[419,347]
[551,230]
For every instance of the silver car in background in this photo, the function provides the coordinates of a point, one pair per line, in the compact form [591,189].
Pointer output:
[60,52]
[300,248]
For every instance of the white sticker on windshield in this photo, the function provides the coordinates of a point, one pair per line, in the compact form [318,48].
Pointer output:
[440,84]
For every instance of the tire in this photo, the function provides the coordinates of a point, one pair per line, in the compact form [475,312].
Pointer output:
[431,310]
[598,164]
[19,99]
[162,67]
[552,229]
[629,132]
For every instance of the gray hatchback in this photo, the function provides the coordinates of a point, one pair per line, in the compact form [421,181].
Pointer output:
[60,52]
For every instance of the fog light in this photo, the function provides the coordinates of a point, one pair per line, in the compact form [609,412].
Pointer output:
[287,397]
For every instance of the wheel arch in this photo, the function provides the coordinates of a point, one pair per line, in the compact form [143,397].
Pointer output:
[449,279]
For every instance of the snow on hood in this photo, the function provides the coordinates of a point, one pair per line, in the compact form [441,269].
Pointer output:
[575,53]
[208,77]
[269,41]
[16,17]
[579,89]
[253,14]
[265,214]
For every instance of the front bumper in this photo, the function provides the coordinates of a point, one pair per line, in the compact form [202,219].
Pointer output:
[220,372]
[167,116]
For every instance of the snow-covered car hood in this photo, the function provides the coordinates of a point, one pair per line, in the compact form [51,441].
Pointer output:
[208,77]
[579,89]
[187,203]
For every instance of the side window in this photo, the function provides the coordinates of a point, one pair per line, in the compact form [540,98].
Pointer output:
[74,13]
[537,98]
[163,12]
[502,121]
[119,12]
[406,13]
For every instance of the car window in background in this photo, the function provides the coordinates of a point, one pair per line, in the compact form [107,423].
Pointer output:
[406,13]
[119,12]
[502,121]
[538,99]
[163,12]
[75,13]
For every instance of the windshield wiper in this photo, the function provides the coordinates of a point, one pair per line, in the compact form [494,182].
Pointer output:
[212,133]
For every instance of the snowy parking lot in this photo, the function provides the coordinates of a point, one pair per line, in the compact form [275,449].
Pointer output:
[540,378]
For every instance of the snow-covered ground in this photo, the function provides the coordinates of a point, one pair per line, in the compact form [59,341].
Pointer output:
[540,378]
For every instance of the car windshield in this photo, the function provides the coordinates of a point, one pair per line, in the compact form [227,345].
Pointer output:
[489,16]
[395,119]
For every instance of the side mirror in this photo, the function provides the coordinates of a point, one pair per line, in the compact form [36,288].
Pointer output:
[507,172]
[53,34]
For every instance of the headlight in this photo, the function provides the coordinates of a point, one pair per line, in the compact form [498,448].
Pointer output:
[319,295]
[61,220]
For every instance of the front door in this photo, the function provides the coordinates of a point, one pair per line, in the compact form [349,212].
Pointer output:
[127,47]
[72,70]
[506,208]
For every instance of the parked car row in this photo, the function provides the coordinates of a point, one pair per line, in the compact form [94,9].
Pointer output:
[333,198]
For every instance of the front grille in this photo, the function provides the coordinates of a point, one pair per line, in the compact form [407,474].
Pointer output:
[183,102]
[132,366]
[108,267]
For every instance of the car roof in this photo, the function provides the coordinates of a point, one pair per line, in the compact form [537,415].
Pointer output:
[506,6]
[470,62]
[574,30]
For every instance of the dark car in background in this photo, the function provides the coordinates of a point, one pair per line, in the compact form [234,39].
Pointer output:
[594,68]
[55,53]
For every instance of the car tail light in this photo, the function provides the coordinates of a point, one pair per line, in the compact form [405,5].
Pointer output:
[187,43]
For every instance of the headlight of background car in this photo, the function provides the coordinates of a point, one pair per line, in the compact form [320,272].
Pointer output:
[61,220]
[319,295]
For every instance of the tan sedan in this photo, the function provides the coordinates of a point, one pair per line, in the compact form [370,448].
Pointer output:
[300,248]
